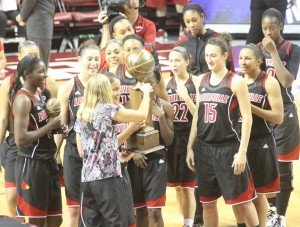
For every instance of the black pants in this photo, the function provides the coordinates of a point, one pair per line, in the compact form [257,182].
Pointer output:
[12,16]
[257,8]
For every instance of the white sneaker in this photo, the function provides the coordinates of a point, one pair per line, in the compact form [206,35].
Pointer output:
[161,36]
[280,221]
[272,217]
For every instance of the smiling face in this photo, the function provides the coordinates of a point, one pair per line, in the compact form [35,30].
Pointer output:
[248,62]
[90,61]
[122,28]
[114,54]
[214,57]
[194,22]
[177,63]
[37,77]
[271,28]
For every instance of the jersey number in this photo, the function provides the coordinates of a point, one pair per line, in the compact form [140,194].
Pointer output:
[271,72]
[177,107]
[210,112]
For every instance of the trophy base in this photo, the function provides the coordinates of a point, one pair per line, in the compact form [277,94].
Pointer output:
[144,141]
[151,150]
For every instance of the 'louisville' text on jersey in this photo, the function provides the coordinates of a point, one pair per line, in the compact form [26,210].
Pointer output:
[214,97]
[125,88]
[42,115]
[175,98]
[78,101]
[270,63]
[255,97]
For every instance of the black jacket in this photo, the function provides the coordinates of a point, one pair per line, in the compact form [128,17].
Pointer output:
[195,45]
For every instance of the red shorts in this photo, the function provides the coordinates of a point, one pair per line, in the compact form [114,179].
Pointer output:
[164,3]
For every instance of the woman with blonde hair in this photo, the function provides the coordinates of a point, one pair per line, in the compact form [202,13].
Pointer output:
[103,196]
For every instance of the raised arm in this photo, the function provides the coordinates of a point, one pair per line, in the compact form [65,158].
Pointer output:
[128,115]
[165,116]
[284,76]
[275,114]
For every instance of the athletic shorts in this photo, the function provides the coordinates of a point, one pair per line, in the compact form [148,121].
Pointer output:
[149,183]
[9,149]
[38,188]
[104,203]
[287,135]
[215,175]
[178,172]
[72,175]
[164,3]
[263,164]
[128,193]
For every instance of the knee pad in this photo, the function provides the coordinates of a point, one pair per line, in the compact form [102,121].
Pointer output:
[286,175]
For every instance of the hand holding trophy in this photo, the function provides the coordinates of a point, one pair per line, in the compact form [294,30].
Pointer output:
[53,109]
[140,64]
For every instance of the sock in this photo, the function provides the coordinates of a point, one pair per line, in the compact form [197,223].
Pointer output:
[283,201]
[180,16]
[272,201]
[188,222]
[161,22]
[241,225]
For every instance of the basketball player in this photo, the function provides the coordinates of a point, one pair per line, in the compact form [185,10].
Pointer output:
[71,96]
[182,95]
[148,172]
[10,84]
[266,107]
[37,175]
[282,62]
[216,148]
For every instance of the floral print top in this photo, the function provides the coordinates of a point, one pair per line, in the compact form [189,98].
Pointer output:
[100,144]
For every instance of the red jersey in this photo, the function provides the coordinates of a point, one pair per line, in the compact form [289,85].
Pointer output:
[146,29]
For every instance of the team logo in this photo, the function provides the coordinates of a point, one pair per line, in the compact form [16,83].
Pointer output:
[25,186]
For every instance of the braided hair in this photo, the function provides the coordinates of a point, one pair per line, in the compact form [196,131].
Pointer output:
[26,65]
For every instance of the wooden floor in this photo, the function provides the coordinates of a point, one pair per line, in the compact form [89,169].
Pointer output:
[226,218]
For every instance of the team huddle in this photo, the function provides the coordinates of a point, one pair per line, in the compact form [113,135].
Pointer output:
[223,133]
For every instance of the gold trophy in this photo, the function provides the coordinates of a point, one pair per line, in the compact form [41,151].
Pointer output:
[140,64]
[53,107]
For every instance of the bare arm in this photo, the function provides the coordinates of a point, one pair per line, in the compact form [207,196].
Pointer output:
[240,90]
[52,86]
[183,93]
[105,36]
[194,130]
[128,115]
[275,114]
[160,91]
[283,75]
[2,60]
[79,145]
[63,96]
[165,115]
[4,110]
[21,110]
